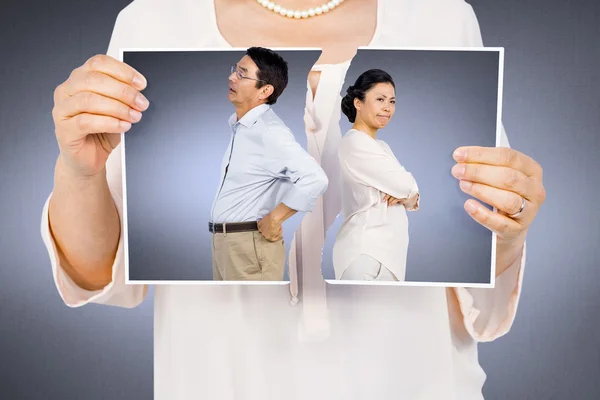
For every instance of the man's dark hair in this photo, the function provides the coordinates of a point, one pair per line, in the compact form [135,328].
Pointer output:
[272,69]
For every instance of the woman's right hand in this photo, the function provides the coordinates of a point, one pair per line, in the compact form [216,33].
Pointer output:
[99,101]
[409,203]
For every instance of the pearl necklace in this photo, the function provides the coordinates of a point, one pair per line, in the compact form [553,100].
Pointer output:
[276,8]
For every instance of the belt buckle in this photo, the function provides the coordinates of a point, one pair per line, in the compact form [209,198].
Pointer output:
[213,227]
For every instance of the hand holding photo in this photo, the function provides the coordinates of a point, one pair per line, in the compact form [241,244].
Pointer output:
[508,180]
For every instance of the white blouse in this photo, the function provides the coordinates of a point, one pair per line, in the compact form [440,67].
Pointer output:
[340,341]
[368,171]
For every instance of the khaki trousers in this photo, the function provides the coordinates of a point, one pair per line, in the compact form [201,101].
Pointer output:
[247,256]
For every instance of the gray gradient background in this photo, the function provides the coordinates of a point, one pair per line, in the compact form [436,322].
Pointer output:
[551,103]
[174,154]
[444,99]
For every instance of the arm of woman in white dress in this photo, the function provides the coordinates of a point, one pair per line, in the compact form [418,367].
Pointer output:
[488,314]
[369,164]
[116,292]
[480,313]
[412,202]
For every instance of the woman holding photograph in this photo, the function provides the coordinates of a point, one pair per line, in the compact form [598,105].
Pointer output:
[237,341]
[376,190]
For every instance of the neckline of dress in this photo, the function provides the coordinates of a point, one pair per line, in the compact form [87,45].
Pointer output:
[316,67]
[364,133]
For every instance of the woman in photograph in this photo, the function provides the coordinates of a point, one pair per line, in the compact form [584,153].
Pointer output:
[376,189]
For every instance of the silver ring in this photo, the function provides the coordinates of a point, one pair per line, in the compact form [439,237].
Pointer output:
[515,215]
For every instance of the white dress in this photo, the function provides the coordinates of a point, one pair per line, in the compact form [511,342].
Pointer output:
[339,342]
[368,171]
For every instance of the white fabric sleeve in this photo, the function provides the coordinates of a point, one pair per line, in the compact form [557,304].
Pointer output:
[116,293]
[489,313]
[372,166]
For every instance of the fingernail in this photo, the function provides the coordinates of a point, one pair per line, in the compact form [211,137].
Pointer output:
[141,102]
[460,154]
[470,207]
[124,125]
[139,82]
[458,170]
[465,185]
[136,116]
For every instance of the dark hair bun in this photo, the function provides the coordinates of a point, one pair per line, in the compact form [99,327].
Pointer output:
[348,106]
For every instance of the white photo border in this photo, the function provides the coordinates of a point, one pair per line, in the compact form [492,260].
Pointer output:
[499,128]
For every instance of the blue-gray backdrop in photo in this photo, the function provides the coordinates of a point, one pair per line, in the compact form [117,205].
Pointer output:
[444,99]
[173,156]
[550,111]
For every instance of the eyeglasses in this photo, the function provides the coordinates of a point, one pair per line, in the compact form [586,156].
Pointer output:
[240,75]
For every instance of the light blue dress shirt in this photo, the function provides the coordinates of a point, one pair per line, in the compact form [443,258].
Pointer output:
[263,167]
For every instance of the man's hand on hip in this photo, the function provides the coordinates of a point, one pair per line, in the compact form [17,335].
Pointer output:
[270,227]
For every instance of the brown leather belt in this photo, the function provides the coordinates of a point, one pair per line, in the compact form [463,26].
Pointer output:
[232,227]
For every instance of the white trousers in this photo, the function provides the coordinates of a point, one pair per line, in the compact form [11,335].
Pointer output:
[366,268]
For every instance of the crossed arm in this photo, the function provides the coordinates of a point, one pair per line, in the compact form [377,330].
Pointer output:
[368,162]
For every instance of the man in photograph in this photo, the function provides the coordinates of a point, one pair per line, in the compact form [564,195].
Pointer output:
[266,176]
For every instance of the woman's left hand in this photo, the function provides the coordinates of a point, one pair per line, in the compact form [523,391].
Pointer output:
[505,179]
